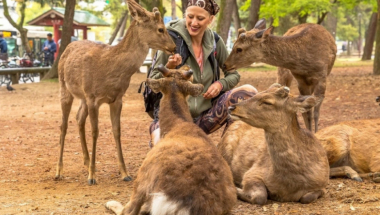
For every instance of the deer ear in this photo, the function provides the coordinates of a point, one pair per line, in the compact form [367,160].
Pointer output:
[137,12]
[155,84]
[261,24]
[304,103]
[264,33]
[195,89]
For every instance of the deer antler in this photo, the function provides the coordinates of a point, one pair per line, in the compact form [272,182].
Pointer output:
[165,72]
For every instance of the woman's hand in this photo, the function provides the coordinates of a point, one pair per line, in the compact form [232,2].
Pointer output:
[213,90]
[173,61]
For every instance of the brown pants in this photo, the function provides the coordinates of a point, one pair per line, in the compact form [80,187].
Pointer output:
[215,117]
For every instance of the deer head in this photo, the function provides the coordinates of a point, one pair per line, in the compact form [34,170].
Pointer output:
[175,80]
[248,47]
[271,109]
[151,28]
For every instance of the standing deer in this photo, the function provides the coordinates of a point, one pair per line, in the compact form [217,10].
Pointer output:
[308,51]
[292,166]
[99,73]
[183,173]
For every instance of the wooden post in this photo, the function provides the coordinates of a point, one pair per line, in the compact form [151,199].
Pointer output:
[14,78]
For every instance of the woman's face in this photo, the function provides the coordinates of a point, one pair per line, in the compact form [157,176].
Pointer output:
[197,20]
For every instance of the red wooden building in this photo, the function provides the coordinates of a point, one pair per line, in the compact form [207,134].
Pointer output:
[54,17]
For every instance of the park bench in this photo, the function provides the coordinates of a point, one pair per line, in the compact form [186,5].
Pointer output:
[16,72]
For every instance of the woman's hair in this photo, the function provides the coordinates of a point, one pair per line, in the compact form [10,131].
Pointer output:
[209,5]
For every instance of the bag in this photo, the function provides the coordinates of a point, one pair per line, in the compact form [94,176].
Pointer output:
[151,99]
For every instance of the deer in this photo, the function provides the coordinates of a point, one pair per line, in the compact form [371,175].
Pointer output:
[184,172]
[100,73]
[306,52]
[351,148]
[290,165]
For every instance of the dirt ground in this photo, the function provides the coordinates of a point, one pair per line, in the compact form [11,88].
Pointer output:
[29,134]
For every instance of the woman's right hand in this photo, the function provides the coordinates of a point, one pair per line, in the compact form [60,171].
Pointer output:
[174,61]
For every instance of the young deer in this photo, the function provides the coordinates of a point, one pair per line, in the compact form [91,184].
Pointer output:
[352,149]
[99,73]
[183,173]
[292,166]
[308,51]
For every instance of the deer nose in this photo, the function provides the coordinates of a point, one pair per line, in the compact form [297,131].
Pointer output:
[231,108]
[224,67]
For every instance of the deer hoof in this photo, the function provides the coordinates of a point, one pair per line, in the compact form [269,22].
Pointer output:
[128,178]
[58,177]
[91,181]
[357,179]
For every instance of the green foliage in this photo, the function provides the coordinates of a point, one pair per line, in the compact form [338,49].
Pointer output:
[347,32]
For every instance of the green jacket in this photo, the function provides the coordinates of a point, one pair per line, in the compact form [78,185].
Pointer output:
[199,104]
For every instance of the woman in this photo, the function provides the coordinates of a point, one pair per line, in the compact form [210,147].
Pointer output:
[209,112]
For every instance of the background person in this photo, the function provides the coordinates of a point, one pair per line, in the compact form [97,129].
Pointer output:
[208,111]
[49,48]
[3,48]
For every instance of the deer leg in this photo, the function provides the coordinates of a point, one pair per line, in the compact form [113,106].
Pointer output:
[115,112]
[312,196]
[81,120]
[284,77]
[319,92]
[345,171]
[256,194]
[374,176]
[114,206]
[93,111]
[66,102]
[305,90]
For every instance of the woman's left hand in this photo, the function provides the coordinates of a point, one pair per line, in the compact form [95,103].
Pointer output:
[213,90]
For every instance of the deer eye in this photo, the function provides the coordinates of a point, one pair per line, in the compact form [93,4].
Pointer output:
[161,30]
[238,50]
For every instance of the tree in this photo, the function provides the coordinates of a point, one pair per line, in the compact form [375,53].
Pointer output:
[370,37]
[121,21]
[253,13]
[19,26]
[174,9]
[376,63]
[224,19]
[67,30]
[235,16]
[184,5]
[150,4]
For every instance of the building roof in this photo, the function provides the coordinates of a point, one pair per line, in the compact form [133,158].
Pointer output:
[81,17]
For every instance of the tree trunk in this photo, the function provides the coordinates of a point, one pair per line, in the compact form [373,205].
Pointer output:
[174,10]
[184,5]
[254,10]
[349,44]
[225,17]
[118,26]
[235,16]
[331,21]
[67,30]
[302,19]
[376,62]
[23,31]
[370,37]
[123,26]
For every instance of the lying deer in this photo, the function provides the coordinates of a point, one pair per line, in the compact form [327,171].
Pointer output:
[291,165]
[183,173]
[308,51]
[99,73]
[352,149]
